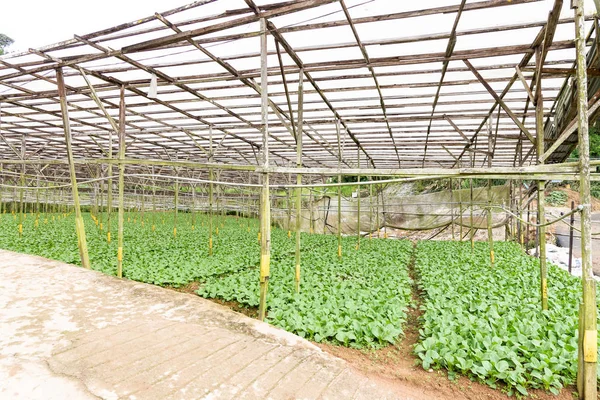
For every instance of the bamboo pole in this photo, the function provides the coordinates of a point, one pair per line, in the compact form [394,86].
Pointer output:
[339,191]
[460,208]
[450,185]
[22,179]
[358,202]
[489,196]
[299,139]
[210,196]
[121,215]
[153,202]
[539,126]
[589,349]
[371,211]
[265,215]
[176,202]
[472,230]
[79,226]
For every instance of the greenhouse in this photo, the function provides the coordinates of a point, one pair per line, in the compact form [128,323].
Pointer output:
[363,177]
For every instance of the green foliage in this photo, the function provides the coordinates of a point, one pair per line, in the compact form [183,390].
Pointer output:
[594,134]
[557,198]
[360,301]
[5,41]
[487,323]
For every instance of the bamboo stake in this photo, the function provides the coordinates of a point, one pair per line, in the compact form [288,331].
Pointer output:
[339,191]
[79,226]
[460,209]
[539,126]
[589,350]
[489,195]
[265,215]
[22,178]
[176,201]
[299,139]
[358,202]
[121,215]
[450,184]
[210,197]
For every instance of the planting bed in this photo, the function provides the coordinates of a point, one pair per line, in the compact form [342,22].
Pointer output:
[487,322]
[360,301]
[481,322]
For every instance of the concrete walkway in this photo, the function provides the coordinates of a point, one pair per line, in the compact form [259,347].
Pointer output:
[69,333]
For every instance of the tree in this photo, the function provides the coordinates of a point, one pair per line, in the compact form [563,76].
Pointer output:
[5,41]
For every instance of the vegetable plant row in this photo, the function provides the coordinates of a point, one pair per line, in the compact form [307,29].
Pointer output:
[360,300]
[487,323]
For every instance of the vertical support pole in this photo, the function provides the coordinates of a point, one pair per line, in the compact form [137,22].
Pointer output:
[79,226]
[176,201]
[572,221]
[22,184]
[589,350]
[121,216]
[311,211]
[489,195]
[358,201]
[265,215]
[460,208]
[299,138]
[377,222]
[109,198]
[153,201]
[339,191]
[450,184]
[539,127]
[472,226]
[371,209]
[210,194]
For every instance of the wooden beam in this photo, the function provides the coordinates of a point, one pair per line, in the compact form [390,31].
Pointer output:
[500,101]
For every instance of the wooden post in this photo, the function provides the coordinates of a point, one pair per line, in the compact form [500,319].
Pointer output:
[472,226]
[79,226]
[210,195]
[371,209]
[339,191]
[572,221]
[489,195]
[539,126]
[22,184]
[311,211]
[589,349]
[176,202]
[299,139]
[121,215]
[265,215]
[358,201]
[460,208]
[450,184]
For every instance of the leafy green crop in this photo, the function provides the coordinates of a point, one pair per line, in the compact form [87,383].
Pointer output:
[360,301]
[487,323]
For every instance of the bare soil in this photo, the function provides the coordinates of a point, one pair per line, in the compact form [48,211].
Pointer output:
[398,367]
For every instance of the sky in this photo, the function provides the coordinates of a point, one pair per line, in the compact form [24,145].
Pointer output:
[54,21]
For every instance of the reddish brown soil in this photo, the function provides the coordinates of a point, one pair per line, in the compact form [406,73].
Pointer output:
[396,366]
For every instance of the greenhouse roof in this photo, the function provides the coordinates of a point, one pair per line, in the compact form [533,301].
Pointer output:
[412,84]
